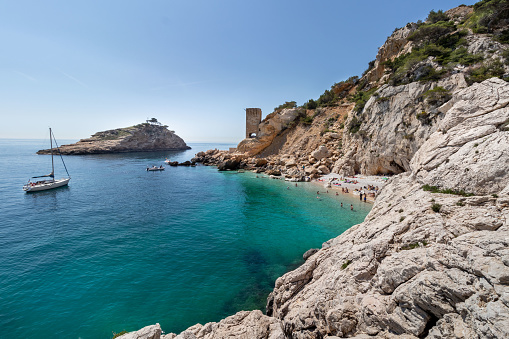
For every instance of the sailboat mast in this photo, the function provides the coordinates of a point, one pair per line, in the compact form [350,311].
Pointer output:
[52,165]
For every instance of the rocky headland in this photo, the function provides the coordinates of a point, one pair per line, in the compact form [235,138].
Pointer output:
[431,259]
[145,137]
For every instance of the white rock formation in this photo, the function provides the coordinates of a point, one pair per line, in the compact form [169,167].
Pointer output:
[391,131]
[411,269]
[470,151]
[147,332]
[243,325]
[320,153]
[397,44]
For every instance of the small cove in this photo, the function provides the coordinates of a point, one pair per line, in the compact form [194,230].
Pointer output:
[121,248]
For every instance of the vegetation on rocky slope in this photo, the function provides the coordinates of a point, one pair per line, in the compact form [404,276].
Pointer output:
[490,16]
[439,47]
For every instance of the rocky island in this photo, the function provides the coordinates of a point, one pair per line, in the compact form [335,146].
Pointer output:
[146,137]
[431,259]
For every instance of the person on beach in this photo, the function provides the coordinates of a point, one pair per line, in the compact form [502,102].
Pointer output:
[364,197]
[337,193]
[295,184]
[351,207]
[317,192]
[341,204]
[360,196]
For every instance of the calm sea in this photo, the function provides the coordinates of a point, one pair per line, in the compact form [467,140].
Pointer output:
[122,248]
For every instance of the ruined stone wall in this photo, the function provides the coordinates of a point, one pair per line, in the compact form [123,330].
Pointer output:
[253,119]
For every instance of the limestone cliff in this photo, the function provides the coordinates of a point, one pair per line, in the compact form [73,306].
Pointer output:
[429,261]
[422,264]
[376,123]
[140,138]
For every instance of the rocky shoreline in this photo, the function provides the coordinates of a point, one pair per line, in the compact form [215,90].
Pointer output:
[145,137]
[431,259]
[423,263]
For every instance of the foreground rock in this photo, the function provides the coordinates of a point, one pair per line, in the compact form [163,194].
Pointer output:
[148,332]
[243,325]
[140,138]
[422,264]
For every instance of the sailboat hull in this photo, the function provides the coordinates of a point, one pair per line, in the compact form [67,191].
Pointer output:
[46,186]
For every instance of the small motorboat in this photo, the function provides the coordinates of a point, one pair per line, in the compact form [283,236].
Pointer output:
[167,161]
[155,168]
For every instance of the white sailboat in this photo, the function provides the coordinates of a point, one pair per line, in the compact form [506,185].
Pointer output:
[47,184]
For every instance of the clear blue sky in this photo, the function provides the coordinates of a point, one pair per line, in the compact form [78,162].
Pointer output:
[87,66]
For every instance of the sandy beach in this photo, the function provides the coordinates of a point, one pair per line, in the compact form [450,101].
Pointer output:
[369,184]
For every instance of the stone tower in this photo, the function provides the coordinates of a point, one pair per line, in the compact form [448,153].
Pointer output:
[253,119]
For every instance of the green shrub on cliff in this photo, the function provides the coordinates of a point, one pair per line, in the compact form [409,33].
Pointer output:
[447,50]
[306,120]
[505,55]
[424,117]
[453,40]
[116,335]
[437,96]
[355,125]
[462,57]
[432,32]
[434,17]
[361,98]
[438,38]
[490,69]
[488,16]
[328,98]
[332,96]
[311,104]
[502,36]
[435,189]
[287,104]
[413,245]
[371,64]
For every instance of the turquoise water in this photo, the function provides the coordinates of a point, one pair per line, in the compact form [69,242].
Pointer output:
[122,248]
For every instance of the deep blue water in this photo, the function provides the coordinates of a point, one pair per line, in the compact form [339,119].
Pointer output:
[122,248]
